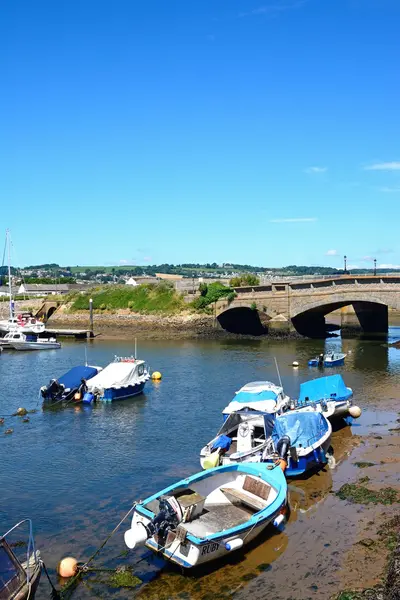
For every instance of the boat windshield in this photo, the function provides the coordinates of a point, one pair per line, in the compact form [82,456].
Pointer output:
[12,575]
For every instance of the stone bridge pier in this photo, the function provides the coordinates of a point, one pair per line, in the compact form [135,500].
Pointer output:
[302,306]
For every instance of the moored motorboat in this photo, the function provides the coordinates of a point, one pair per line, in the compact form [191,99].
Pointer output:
[302,440]
[19,576]
[331,359]
[210,514]
[123,378]
[327,391]
[259,395]
[20,341]
[68,385]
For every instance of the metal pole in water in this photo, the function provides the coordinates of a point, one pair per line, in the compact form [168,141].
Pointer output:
[91,316]
[135,348]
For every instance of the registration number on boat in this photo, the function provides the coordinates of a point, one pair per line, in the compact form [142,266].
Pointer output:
[208,548]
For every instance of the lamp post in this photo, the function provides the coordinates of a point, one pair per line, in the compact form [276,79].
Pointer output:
[374,266]
[345,264]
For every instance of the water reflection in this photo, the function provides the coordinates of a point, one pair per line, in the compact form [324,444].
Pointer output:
[75,471]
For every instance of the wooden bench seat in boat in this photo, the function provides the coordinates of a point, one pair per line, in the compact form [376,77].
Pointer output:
[254,494]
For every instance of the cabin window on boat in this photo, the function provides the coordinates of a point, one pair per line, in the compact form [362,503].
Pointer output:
[140,369]
[10,574]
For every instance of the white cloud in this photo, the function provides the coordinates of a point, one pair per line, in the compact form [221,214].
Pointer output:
[332,253]
[367,258]
[310,170]
[352,267]
[123,261]
[299,220]
[388,266]
[384,166]
[390,190]
[147,259]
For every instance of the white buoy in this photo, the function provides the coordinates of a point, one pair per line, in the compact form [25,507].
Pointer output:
[234,544]
[355,411]
[295,363]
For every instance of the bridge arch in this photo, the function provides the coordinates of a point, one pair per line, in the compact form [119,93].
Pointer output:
[244,317]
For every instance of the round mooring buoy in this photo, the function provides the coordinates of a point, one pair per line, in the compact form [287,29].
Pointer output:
[295,363]
[156,376]
[21,412]
[67,567]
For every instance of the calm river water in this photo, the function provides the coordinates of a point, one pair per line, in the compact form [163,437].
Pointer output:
[76,471]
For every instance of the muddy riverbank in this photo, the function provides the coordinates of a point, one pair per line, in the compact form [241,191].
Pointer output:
[124,324]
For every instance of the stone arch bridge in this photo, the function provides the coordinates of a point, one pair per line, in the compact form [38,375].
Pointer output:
[302,305]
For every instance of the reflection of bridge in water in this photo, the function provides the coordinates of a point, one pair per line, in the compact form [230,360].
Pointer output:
[302,305]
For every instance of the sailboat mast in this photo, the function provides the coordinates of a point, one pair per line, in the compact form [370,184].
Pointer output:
[9,273]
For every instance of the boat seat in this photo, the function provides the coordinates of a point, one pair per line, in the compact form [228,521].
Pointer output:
[237,496]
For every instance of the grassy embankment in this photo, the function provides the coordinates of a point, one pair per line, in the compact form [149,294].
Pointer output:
[147,298]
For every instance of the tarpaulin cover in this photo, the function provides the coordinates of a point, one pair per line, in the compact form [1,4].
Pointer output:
[72,378]
[324,388]
[246,397]
[115,375]
[223,441]
[303,428]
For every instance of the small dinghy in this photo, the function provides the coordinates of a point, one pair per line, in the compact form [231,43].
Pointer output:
[328,391]
[68,385]
[332,359]
[19,576]
[210,514]
[123,378]
[259,395]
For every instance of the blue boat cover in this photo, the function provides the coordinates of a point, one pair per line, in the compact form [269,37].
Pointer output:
[72,378]
[246,397]
[223,441]
[303,428]
[324,388]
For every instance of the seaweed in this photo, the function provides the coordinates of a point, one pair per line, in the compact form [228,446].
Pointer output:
[359,494]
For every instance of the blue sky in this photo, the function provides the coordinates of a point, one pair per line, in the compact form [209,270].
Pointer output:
[247,131]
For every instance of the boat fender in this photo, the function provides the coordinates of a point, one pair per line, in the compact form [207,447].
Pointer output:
[279,522]
[234,544]
[355,411]
[136,536]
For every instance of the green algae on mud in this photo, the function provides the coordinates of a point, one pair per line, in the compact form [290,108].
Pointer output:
[364,464]
[359,494]
[124,578]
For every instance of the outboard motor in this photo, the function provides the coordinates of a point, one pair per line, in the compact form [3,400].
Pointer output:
[168,518]
[283,448]
[52,390]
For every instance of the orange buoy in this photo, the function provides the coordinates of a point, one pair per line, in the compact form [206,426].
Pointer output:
[77,396]
[67,567]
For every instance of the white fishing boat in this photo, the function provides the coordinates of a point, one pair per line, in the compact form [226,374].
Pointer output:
[20,341]
[208,515]
[19,575]
[123,378]
[259,395]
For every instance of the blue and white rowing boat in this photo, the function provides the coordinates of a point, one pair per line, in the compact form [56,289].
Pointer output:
[210,514]
[123,378]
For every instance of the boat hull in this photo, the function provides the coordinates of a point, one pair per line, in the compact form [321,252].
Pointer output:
[334,363]
[35,346]
[190,555]
[183,547]
[111,394]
